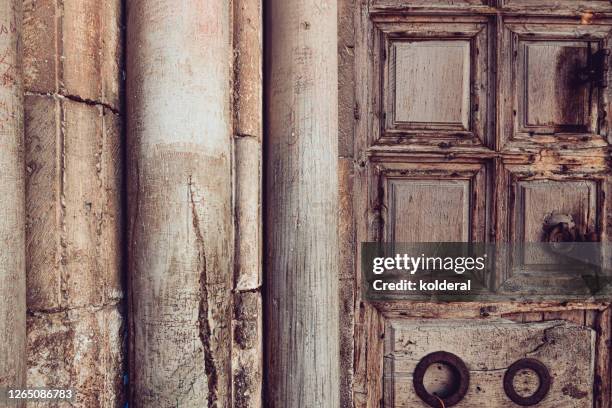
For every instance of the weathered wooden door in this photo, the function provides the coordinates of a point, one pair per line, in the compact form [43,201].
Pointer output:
[479,121]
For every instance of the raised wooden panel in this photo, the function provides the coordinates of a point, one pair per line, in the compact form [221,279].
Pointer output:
[566,349]
[433,81]
[431,202]
[538,199]
[529,200]
[551,97]
[429,210]
[546,94]
[430,81]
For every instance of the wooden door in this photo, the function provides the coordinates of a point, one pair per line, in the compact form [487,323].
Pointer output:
[477,121]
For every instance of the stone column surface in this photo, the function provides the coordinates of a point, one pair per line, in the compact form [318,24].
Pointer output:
[12,201]
[181,240]
[301,118]
[72,58]
[247,349]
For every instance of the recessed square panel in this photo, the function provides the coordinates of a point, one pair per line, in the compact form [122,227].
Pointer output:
[553,96]
[552,221]
[538,200]
[431,80]
[553,83]
[429,210]
[432,202]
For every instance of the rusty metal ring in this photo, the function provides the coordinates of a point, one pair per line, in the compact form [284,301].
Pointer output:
[459,370]
[535,366]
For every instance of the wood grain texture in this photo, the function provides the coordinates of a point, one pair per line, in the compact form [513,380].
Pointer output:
[12,201]
[430,75]
[602,323]
[302,204]
[346,265]
[348,111]
[568,351]
[562,164]
[426,210]
[542,102]
[547,72]
[347,108]
[180,202]
[431,81]
[424,202]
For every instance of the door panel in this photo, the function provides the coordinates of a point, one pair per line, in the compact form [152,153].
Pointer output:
[536,201]
[438,70]
[422,202]
[484,122]
[555,87]
[547,71]
[434,76]
[561,346]
[421,210]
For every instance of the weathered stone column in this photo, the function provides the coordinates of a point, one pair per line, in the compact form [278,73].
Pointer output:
[302,203]
[247,351]
[180,202]
[12,200]
[74,240]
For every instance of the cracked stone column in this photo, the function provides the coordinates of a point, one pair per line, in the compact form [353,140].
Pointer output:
[302,204]
[12,201]
[72,79]
[247,351]
[180,202]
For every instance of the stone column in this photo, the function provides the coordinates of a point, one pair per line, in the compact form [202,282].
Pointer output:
[12,201]
[302,204]
[180,202]
[74,147]
[247,351]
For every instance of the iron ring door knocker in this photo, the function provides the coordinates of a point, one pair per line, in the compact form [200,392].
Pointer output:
[542,373]
[459,370]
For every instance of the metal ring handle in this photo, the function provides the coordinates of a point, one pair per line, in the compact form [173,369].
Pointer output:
[459,370]
[527,364]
